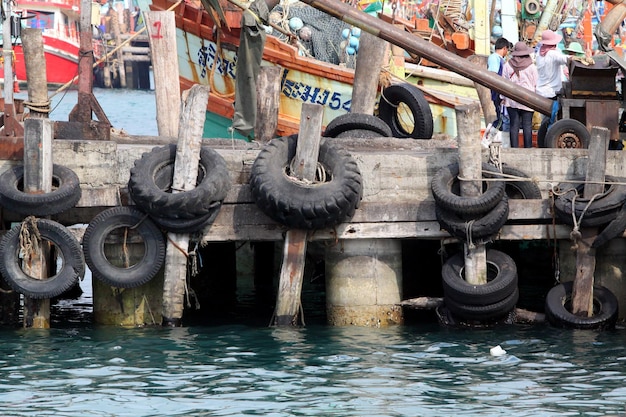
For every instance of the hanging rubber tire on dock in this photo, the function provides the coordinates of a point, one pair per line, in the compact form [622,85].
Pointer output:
[407,112]
[558,302]
[598,211]
[151,181]
[348,122]
[328,201]
[522,189]
[66,192]
[132,221]
[195,225]
[475,219]
[445,190]
[72,266]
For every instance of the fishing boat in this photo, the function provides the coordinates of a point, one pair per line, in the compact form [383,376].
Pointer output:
[59,21]
[207,54]
[312,72]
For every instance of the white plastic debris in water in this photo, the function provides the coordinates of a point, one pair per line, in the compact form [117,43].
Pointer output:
[497,351]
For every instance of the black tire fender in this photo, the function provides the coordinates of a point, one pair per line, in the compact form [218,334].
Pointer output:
[501,280]
[446,191]
[602,210]
[398,96]
[101,227]
[524,190]
[195,225]
[605,308]
[67,247]
[483,312]
[151,180]
[305,206]
[482,228]
[358,134]
[66,192]
[567,133]
[357,121]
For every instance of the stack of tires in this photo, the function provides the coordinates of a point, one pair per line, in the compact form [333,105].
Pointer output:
[65,194]
[326,202]
[490,301]
[475,220]
[157,209]
[606,211]
[150,187]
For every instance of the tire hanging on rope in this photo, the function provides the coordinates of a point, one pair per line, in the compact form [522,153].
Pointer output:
[19,241]
[127,220]
[326,202]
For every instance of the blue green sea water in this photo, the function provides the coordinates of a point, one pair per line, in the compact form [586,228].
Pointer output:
[238,366]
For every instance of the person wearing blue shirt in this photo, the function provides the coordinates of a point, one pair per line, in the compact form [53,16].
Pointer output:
[495,63]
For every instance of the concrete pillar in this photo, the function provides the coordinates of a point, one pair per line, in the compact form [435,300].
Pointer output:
[610,269]
[364,282]
[128,307]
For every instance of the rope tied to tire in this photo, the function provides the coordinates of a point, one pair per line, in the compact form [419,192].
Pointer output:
[468,233]
[575,234]
[30,238]
[382,95]
[494,156]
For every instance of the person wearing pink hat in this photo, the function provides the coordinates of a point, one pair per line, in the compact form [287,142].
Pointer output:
[550,60]
[520,70]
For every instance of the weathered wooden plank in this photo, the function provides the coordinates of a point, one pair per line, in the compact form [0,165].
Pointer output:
[582,290]
[470,167]
[227,231]
[185,175]
[37,179]
[303,167]
[162,38]
[268,100]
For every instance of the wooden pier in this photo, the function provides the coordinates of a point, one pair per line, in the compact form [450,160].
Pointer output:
[396,204]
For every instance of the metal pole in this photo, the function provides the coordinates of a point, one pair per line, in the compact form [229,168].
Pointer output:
[7,53]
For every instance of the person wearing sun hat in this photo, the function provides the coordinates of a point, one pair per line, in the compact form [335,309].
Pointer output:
[520,70]
[550,61]
[574,48]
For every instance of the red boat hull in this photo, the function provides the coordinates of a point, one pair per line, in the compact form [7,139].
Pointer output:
[61,61]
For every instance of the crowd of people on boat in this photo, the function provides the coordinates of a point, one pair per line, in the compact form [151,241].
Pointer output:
[541,69]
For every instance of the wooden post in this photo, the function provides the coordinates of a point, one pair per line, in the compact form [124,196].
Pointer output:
[582,290]
[268,101]
[37,179]
[185,175]
[303,166]
[162,30]
[38,134]
[35,62]
[371,55]
[115,30]
[470,167]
